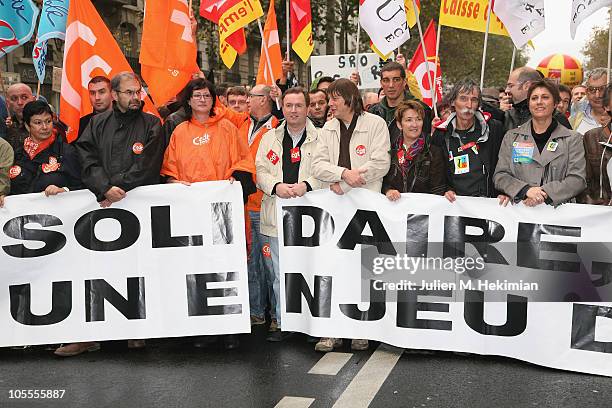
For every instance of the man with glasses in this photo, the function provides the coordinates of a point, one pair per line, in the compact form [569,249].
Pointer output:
[393,84]
[590,113]
[236,98]
[122,148]
[516,105]
[259,122]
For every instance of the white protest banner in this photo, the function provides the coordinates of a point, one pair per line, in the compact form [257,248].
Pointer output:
[523,19]
[385,22]
[343,65]
[581,9]
[168,260]
[509,301]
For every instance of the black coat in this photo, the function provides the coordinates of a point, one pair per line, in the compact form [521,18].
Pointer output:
[35,175]
[125,150]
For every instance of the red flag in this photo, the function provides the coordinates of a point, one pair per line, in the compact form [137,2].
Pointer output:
[213,10]
[301,28]
[418,67]
[274,50]
[168,50]
[90,50]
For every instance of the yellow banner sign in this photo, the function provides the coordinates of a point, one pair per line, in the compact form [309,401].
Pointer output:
[470,15]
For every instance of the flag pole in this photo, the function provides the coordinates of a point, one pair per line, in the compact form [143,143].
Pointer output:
[38,91]
[513,58]
[609,40]
[288,17]
[431,81]
[486,39]
[357,49]
[264,45]
[435,94]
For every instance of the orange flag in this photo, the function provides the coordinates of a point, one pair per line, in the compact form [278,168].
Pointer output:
[274,50]
[89,50]
[168,49]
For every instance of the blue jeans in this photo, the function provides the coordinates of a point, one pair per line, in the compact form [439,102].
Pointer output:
[274,267]
[259,274]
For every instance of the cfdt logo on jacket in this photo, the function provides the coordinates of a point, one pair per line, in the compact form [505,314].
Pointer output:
[137,148]
[201,140]
[53,165]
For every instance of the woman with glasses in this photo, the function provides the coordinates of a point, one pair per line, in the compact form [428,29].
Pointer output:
[541,162]
[207,148]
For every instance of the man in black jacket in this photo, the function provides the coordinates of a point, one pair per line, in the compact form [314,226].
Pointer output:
[393,83]
[518,84]
[123,148]
[471,140]
[100,97]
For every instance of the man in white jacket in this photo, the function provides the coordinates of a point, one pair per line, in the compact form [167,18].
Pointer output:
[283,163]
[353,151]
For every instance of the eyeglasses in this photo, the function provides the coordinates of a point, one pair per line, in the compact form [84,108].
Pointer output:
[595,89]
[206,97]
[253,94]
[396,80]
[132,93]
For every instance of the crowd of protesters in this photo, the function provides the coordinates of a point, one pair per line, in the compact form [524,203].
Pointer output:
[532,141]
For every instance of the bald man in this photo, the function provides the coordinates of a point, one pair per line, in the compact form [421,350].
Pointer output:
[518,84]
[17,96]
[369,99]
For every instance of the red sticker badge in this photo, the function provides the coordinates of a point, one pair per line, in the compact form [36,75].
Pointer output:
[137,148]
[295,155]
[360,150]
[14,171]
[265,250]
[273,157]
[52,166]
[401,157]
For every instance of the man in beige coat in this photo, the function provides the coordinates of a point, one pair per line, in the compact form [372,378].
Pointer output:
[283,163]
[353,151]
[6,161]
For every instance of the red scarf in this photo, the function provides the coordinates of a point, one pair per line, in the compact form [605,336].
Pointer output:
[406,154]
[32,148]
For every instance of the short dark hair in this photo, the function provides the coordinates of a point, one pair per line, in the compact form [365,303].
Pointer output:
[98,79]
[117,79]
[194,85]
[297,90]
[347,89]
[547,84]
[316,91]
[325,79]
[528,74]
[37,107]
[222,88]
[563,88]
[236,90]
[464,85]
[406,106]
[393,66]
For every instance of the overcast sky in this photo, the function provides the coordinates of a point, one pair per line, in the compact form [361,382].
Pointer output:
[556,38]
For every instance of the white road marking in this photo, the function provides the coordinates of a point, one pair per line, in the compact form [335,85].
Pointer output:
[331,363]
[294,402]
[363,388]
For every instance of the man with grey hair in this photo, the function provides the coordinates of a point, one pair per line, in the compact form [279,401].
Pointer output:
[516,104]
[590,112]
[471,140]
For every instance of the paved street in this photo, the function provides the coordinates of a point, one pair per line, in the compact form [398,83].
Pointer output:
[171,373]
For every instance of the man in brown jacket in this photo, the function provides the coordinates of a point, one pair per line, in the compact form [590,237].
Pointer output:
[598,151]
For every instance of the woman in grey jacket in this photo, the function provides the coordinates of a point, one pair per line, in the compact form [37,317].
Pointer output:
[540,161]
